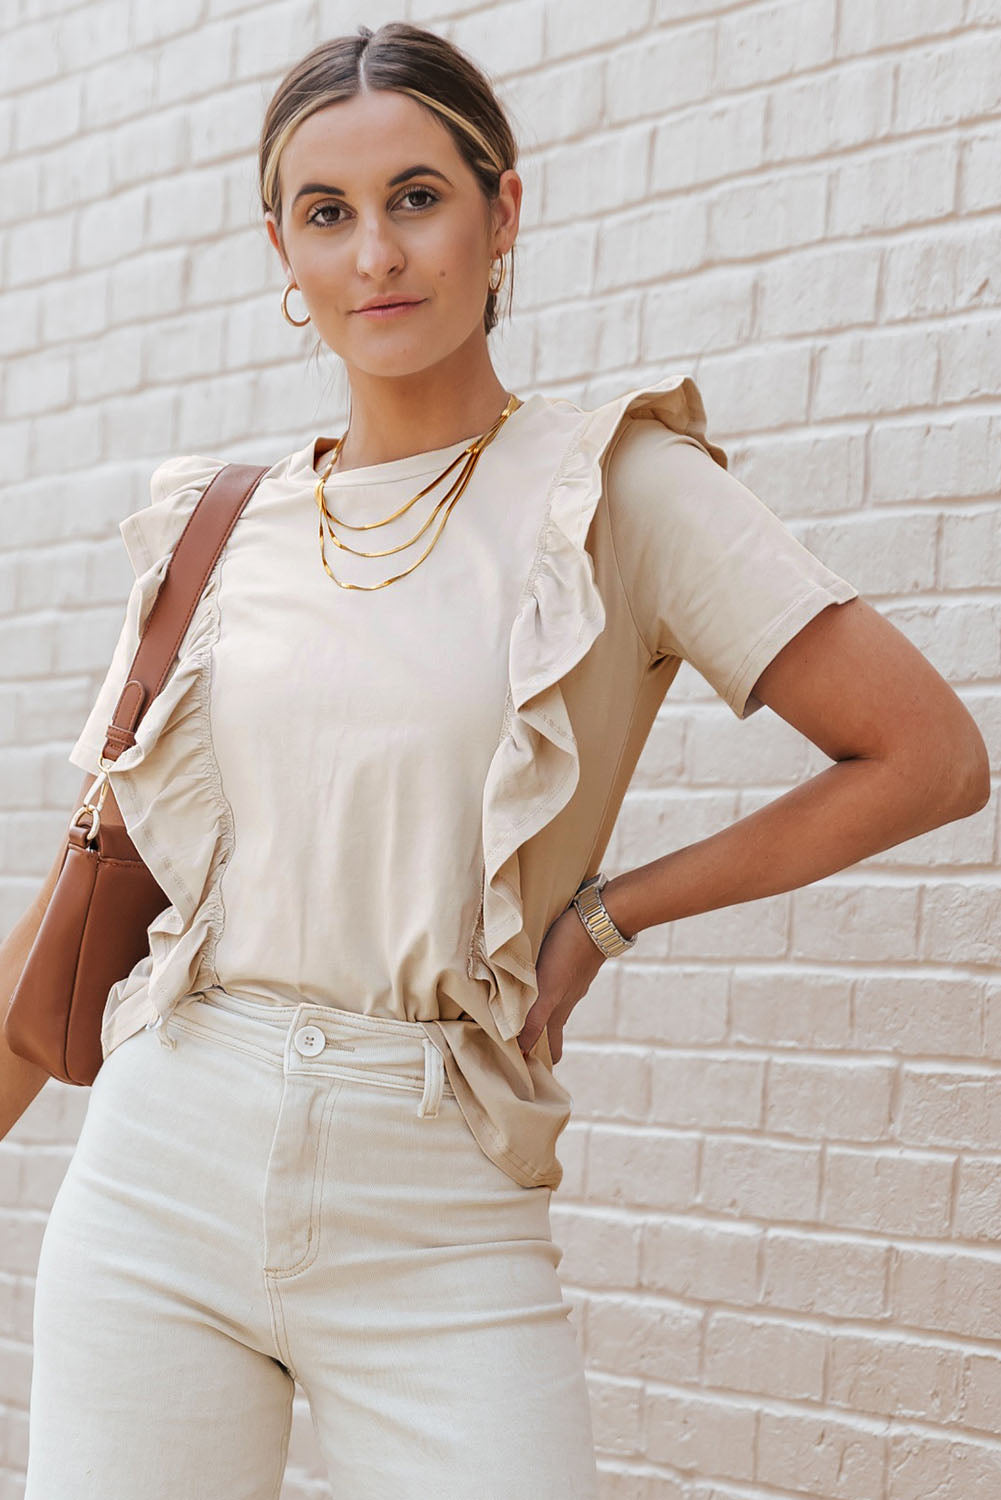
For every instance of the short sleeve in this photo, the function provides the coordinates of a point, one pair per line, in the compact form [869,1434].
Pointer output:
[149,536]
[711,574]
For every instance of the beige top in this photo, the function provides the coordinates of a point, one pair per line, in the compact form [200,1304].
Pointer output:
[381,800]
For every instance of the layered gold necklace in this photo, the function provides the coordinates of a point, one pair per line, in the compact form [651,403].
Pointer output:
[468,458]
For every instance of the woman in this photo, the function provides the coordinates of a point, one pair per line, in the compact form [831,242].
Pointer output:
[377,787]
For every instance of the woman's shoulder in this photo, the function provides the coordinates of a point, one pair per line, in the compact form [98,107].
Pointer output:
[646,419]
[610,441]
[175,487]
[182,472]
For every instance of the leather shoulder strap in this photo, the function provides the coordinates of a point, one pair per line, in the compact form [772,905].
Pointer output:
[194,556]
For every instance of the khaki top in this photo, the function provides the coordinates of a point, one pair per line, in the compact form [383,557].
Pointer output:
[380,800]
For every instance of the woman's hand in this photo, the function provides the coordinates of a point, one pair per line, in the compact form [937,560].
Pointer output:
[568,961]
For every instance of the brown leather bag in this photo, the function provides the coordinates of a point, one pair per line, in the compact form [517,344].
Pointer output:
[94,930]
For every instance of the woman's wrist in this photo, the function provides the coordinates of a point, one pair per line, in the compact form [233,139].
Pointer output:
[616,896]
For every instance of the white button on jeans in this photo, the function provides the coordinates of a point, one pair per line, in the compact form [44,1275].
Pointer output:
[309,1040]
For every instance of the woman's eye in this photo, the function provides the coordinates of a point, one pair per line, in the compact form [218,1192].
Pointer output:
[329,208]
[325,208]
[426,192]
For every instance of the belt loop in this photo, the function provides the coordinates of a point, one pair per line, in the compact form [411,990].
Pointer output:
[434,1078]
[162,1034]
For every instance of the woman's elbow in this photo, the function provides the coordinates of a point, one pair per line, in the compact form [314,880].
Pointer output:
[961,770]
[977,775]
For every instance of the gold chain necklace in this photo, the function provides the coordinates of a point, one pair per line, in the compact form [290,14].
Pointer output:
[468,458]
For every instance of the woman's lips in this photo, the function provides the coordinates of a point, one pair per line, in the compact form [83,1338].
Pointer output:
[389,311]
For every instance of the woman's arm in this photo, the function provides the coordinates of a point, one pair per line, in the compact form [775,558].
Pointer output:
[908,754]
[21,1080]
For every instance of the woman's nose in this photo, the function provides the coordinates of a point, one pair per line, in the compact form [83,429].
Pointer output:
[378,252]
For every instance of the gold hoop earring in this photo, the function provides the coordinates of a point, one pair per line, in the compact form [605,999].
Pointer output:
[285,312]
[503,272]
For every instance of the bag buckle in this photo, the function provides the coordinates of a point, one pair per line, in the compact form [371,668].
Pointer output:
[91,807]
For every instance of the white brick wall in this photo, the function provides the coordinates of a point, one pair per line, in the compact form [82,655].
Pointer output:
[781,1213]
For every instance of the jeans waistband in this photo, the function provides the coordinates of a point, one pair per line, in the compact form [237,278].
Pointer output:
[319,1039]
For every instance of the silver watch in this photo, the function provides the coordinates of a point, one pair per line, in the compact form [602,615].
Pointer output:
[593,913]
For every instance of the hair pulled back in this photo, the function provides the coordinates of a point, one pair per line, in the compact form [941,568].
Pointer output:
[403,59]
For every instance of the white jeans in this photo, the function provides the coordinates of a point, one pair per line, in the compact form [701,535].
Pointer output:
[287,1193]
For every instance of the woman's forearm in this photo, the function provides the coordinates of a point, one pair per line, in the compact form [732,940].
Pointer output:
[845,813]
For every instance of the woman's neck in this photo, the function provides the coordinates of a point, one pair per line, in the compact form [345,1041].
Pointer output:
[394,419]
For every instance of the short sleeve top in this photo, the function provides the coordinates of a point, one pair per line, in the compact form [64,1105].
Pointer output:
[380,799]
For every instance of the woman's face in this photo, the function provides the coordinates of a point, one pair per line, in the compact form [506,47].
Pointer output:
[378,202]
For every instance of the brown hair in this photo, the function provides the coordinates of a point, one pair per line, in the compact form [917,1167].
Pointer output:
[407,60]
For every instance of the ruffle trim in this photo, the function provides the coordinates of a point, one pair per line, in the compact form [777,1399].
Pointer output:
[536,767]
[167,784]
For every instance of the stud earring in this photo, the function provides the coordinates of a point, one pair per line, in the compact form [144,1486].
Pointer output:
[285,312]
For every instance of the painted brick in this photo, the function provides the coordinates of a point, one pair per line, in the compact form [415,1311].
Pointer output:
[947,1290]
[20,314]
[855,373]
[949,1105]
[760,1179]
[702,1260]
[111,231]
[948,81]
[969,913]
[604,173]
[982,1392]
[828,1275]
[923,1464]
[818,290]
[674,68]
[682,1007]
[712,1093]
[918,1014]
[563,101]
[195,65]
[852,922]
[779,1209]
[778,1009]
[48,114]
[821,1455]
[641,1169]
[864,28]
[833,1098]
[28,58]
[225,123]
[895,1378]
[820,114]
[118,90]
[941,274]
[590,24]
[701,1435]
[981,171]
[77,172]
[888,1192]
[650,244]
[616,1415]
[89,34]
[765,1358]
[714,141]
[792,36]
[510,35]
[878,190]
[662,1344]
[713,309]
[978,1199]
[752,219]
[269,39]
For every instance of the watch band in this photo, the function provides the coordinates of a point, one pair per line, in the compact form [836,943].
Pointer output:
[593,913]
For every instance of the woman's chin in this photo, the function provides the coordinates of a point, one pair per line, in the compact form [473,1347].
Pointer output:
[390,361]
